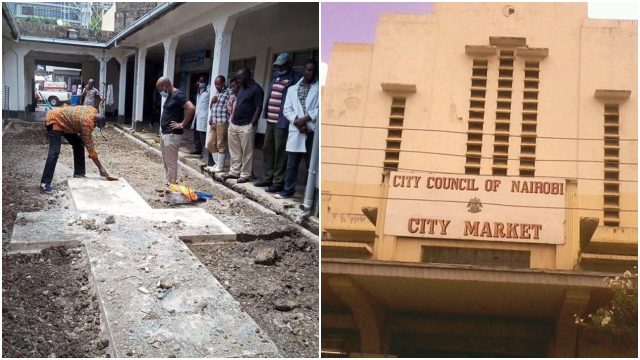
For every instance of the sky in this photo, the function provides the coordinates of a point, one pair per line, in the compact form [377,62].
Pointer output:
[356,22]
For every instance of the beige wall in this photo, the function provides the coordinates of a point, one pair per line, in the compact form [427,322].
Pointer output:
[428,51]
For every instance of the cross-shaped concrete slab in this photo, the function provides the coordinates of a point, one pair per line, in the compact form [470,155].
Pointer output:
[156,298]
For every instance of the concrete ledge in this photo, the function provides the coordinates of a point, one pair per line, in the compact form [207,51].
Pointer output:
[463,273]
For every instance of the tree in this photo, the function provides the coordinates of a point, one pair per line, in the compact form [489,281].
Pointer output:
[620,317]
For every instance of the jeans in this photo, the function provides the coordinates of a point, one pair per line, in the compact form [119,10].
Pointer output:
[293,161]
[275,156]
[55,141]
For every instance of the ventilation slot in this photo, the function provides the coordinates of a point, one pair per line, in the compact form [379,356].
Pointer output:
[476,115]
[394,134]
[503,113]
[611,203]
[529,118]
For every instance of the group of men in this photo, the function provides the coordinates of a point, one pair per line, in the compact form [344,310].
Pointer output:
[226,121]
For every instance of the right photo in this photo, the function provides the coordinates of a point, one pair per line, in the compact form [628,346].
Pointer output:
[479,180]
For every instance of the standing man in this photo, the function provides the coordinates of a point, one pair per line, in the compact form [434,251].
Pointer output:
[275,138]
[74,123]
[176,114]
[91,95]
[200,122]
[218,123]
[301,109]
[248,107]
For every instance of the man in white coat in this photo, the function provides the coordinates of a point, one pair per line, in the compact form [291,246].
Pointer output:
[301,109]
[200,122]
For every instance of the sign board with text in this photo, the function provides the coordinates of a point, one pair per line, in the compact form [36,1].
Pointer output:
[476,207]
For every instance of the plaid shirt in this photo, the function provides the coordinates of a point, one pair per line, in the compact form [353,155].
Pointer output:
[75,119]
[303,90]
[219,113]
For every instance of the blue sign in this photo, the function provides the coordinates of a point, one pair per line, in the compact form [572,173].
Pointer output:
[193,57]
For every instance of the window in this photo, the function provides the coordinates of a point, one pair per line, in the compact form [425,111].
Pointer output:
[27,10]
[299,58]
[481,257]
[394,133]
[235,65]
[611,199]
[476,115]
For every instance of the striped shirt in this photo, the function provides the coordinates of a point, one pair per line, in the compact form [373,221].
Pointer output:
[75,119]
[276,99]
[219,110]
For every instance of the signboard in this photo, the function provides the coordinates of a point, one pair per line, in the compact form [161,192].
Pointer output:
[193,57]
[476,207]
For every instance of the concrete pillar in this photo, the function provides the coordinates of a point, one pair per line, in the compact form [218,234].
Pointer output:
[20,90]
[102,80]
[566,337]
[168,70]
[122,87]
[368,313]
[27,82]
[139,88]
[223,28]
[12,68]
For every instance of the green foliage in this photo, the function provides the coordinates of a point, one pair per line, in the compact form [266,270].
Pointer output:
[620,317]
[39,20]
[95,22]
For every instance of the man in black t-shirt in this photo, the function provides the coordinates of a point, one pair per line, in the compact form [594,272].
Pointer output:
[177,112]
[244,120]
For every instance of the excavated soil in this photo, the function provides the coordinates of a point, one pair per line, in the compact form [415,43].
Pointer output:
[292,279]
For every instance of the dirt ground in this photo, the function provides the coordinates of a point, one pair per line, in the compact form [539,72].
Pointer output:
[293,277]
[48,306]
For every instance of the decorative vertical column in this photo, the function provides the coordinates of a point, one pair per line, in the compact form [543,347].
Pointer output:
[139,88]
[168,69]
[223,28]
[122,87]
[102,80]
[20,85]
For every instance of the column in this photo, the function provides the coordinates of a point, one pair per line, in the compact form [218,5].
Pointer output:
[368,313]
[566,337]
[102,80]
[223,28]
[122,87]
[170,46]
[139,88]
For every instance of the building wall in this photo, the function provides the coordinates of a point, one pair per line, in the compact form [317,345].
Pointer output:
[440,69]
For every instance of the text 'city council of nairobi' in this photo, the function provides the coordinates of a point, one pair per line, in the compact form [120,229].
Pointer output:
[493,208]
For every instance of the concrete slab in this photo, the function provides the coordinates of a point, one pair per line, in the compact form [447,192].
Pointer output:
[115,197]
[32,232]
[157,299]
[119,198]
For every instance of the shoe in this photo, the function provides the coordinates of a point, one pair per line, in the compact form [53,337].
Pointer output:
[263,183]
[243,180]
[209,168]
[274,188]
[229,176]
[195,152]
[79,176]
[282,195]
[219,163]
[46,189]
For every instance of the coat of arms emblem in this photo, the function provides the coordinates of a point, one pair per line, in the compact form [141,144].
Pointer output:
[474,205]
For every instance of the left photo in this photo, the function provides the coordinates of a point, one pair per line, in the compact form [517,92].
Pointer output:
[160,179]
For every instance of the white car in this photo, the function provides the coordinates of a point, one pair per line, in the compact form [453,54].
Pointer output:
[54,92]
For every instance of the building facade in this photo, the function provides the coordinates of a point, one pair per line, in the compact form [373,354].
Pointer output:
[479,180]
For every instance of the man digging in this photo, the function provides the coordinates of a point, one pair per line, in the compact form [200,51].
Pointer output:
[74,123]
